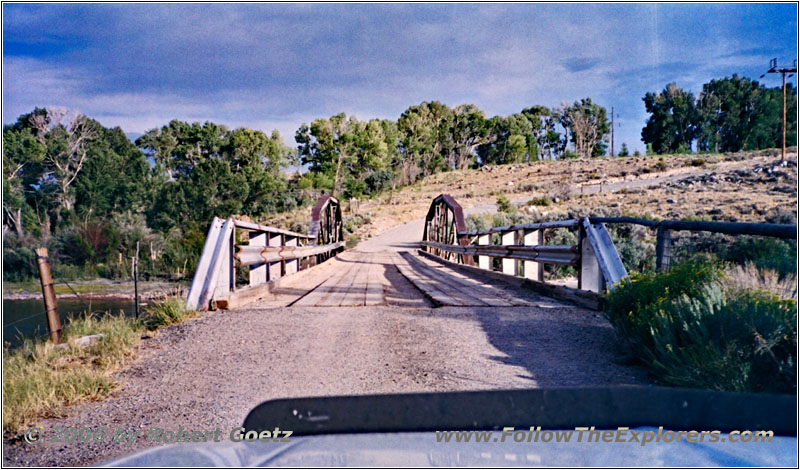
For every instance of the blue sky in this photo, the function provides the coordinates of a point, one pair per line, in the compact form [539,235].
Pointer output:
[269,66]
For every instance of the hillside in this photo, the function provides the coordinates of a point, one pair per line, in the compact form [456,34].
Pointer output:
[745,186]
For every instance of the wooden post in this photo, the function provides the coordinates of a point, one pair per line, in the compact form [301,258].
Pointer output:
[49,295]
[484,262]
[532,269]
[291,265]
[509,265]
[258,272]
[663,248]
[136,280]
[275,269]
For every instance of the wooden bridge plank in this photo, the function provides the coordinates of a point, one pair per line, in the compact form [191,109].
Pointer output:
[423,284]
[375,280]
[340,290]
[451,283]
[356,295]
[480,288]
[324,290]
[453,295]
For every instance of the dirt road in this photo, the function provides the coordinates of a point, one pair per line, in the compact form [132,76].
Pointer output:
[209,372]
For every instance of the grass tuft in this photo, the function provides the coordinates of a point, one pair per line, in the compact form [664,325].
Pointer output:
[167,311]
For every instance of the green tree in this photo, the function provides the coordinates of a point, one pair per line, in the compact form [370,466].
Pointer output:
[624,151]
[115,177]
[468,130]
[737,113]
[587,126]
[511,139]
[425,139]
[23,154]
[672,125]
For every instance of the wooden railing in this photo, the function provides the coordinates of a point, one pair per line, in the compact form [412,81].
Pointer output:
[271,254]
[523,253]
[666,231]
[522,250]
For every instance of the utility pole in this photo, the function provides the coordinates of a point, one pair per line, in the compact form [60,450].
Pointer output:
[612,131]
[773,68]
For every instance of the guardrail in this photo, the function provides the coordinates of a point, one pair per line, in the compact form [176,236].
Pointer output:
[271,254]
[665,231]
[522,251]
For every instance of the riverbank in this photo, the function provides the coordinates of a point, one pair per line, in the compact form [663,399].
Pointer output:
[40,380]
[94,289]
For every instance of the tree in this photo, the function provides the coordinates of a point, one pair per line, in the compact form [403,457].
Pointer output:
[114,179]
[160,143]
[425,139]
[587,125]
[64,159]
[624,151]
[468,130]
[511,139]
[22,157]
[254,148]
[738,113]
[672,125]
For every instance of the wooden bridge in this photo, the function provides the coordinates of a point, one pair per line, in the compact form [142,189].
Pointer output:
[448,267]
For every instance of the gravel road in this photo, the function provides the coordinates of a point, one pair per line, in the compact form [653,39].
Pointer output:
[210,371]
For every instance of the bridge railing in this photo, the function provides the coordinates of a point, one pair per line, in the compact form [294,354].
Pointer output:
[522,250]
[523,253]
[270,253]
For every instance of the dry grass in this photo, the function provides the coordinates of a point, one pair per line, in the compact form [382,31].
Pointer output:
[748,276]
[40,380]
[749,198]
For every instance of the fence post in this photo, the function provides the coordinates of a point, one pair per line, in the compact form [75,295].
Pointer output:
[663,248]
[509,265]
[531,269]
[49,295]
[484,262]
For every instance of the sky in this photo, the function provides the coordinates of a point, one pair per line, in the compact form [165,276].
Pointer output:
[276,66]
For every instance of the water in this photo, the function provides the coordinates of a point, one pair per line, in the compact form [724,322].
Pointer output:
[26,318]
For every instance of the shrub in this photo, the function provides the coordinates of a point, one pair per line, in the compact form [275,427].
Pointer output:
[690,331]
[540,201]
[748,276]
[352,222]
[632,306]
[352,241]
[504,204]
[765,253]
[379,180]
[19,259]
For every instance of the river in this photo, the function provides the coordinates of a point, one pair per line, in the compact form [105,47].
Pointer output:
[26,318]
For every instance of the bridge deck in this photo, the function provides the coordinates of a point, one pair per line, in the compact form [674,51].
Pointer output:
[403,279]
